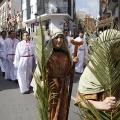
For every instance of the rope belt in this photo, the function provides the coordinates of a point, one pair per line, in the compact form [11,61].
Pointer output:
[28,56]
[10,54]
[81,49]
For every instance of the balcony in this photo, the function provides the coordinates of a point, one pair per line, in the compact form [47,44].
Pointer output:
[55,10]
[112,4]
[107,13]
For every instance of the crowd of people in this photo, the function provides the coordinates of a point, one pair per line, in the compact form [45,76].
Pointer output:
[18,61]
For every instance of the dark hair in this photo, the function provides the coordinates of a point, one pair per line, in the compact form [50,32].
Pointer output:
[3,32]
[66,30]
[81,31]
[25,32]
[11,32]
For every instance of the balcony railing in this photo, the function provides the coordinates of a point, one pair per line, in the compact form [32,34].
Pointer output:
[53,10]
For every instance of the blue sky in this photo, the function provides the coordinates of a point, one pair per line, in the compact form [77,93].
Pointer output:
[89,6]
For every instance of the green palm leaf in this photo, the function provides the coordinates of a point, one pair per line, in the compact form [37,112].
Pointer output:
[105,60]
[42,90]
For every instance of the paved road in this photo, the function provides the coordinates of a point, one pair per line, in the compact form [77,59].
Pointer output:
[16,106]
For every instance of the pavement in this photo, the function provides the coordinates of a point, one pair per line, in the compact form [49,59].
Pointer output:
[17,106]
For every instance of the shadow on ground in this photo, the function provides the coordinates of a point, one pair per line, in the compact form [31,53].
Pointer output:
[6,84]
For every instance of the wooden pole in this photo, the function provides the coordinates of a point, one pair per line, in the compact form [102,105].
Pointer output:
[76,44]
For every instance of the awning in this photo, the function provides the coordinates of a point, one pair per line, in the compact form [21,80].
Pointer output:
[105,22]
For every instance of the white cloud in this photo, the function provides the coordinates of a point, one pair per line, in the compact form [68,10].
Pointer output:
[84,9]
[89,6]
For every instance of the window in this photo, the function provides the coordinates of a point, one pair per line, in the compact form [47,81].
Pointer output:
[31,9]
[32,27]
[65,3]
[46,23]
[24,15]
[29,31]
[23,1]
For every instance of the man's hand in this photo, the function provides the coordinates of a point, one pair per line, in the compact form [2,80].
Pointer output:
[109,103]
[75,59]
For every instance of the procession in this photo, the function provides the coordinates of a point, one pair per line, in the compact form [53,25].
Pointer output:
[56,68]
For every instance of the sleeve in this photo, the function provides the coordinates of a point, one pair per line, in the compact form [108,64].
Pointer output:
[17,57]
[0,49]
[95,96]
[87,96]
[5,50]
[86,51]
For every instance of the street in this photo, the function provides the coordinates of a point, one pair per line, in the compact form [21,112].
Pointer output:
[17,106]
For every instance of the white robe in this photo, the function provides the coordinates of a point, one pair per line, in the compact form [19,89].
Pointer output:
[2,60]
[9,53]
[24,61]
[47,38]
[69,43]
[82,55]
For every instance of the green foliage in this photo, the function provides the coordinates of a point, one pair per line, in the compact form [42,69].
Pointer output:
[105,59]
[41,81]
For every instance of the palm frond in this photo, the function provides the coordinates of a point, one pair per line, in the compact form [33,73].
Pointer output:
[105,67]
[42,90]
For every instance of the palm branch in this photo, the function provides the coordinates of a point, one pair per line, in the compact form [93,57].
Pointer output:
[42,90]
[105,60]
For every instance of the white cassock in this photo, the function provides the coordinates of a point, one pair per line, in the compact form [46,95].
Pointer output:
[9,54]
[2,60]
[69,43]
[82,55]
[24,61]
[47,38]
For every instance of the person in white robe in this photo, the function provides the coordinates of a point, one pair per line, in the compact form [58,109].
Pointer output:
[2,60]
[82,53]
[9,53]
[47,37]
[68,38]
[24,61]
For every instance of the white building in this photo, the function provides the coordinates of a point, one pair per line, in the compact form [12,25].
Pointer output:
[8,9]
[54,13]
[81,14]
[3,15]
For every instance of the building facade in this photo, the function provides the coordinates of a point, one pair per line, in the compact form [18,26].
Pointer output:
[54,14]
[109,11]
[3,15]
[89,23]
[11,15]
